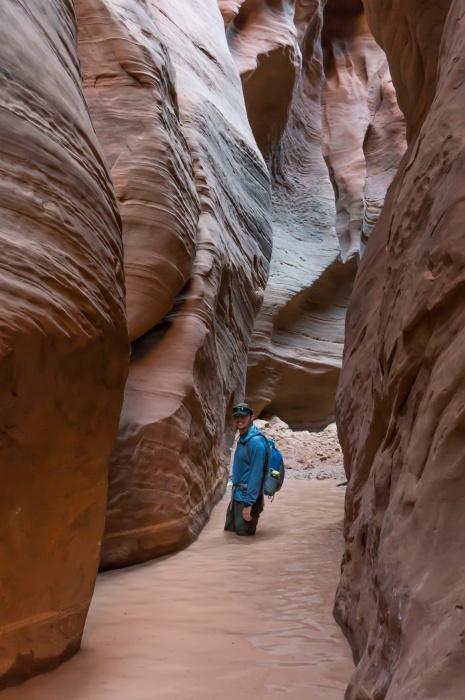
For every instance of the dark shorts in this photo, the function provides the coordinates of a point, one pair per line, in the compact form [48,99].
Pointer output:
[236,523]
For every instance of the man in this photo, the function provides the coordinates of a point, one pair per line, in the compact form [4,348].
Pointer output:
[247,474]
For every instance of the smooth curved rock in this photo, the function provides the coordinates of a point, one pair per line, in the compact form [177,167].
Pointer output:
[128,84]
[332,144]
[400,404]
[64,348]
[166,469]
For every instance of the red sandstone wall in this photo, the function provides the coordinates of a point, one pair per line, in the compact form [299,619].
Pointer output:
[64,347]
[401,397]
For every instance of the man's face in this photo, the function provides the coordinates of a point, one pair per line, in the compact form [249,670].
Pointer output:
[242,423]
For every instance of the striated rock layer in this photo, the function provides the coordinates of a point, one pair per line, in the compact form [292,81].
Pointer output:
[400,405]
[322,106]
[63,339]
[167,105]
[128,81]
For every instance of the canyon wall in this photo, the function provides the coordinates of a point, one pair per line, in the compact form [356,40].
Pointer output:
[168,163]
[194,195]
[323,109]
[64,347]
[400,403]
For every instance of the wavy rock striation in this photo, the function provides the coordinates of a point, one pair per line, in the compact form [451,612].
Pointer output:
[321,103]
[128,81]
[63,339]
[194,195]
[400,403]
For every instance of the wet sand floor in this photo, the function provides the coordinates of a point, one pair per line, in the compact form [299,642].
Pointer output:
[226,618]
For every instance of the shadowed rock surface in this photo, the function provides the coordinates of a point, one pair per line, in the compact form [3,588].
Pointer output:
[322,106]
[400,405]
[64,347]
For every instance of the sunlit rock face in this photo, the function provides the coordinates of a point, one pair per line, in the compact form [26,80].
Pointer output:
[194,195]
[323,110]
[128,82]
[64,350]
[401,398]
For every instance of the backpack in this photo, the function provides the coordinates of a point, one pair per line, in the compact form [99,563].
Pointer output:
[274,468]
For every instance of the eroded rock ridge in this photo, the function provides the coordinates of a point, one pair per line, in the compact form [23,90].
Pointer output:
[194,196]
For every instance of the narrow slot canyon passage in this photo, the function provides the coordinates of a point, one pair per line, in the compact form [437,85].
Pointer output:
[228,617]
[212,210]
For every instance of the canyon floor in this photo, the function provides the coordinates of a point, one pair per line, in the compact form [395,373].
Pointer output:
[226,618]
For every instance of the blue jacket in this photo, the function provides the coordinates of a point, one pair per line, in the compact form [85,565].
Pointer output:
[249,465]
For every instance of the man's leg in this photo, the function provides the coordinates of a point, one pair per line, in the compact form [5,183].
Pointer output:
[243,528]
[229,522]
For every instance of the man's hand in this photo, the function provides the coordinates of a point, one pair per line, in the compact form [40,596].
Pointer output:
[247,513]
